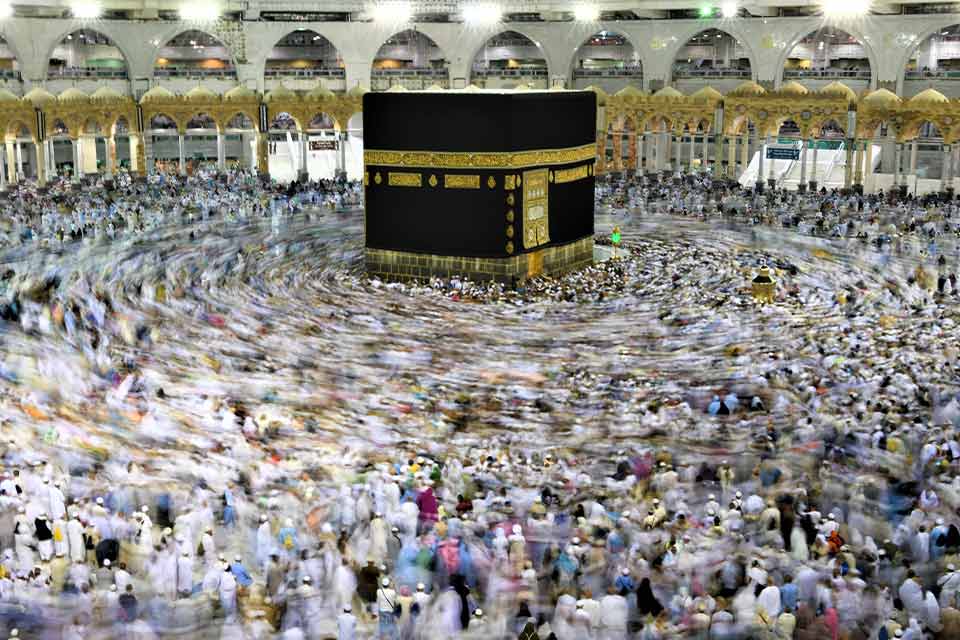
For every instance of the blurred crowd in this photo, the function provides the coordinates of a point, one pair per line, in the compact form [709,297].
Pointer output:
[212,424]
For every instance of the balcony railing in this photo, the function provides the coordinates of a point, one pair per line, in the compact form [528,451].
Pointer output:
[938,73]
[86,72]
[827,73]
[280,72]
[690,72]
[510,73]
[616,72]
[410,73]
[194,72]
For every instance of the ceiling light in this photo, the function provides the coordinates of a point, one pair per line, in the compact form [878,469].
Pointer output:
[586,13]
[391,12]
[706,11]
[86,10]
[839,9]
[729,9]
[6,10]
[481,14]
[199,12]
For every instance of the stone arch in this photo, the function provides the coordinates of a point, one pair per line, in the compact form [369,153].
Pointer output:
[853,33]
[284,121]
[200,36]
[16,127]
[604,33]
[309,37]
[120,126]
[507,32]
[206,120]
[708,35]
[421,45]
[319,119]
[231,117]
[73,33]
[161,121]
[924,36]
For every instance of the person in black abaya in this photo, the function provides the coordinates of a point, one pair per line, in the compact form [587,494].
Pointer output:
[459,585]
[647,603]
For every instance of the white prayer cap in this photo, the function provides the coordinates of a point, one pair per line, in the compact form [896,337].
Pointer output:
[420,586]
[145,508]
[307,579]
[517,529]
[237,558]
[830,516]
[14,633]
[106,562]
[377,514]
[939,522]
[711,497]
[100,501]
[385,582]
[625,571]
[739,494]
[263,517]
[950,567]
[478,612]
[346,608]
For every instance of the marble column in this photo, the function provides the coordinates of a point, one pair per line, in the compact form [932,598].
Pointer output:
[304,173]
[18,150]
[693,150]
[848,166]
[804,147]
[640,160]
[867,163]
[39,148]
[761,152]
[705,161]
[744,154]
[731,157]
[896,163]
[77,170]
[182,165]
[914,151]
[221,152]
[110,153]
[945,169]
[813,169]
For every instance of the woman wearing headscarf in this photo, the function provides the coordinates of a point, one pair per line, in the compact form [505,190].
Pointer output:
[647,603]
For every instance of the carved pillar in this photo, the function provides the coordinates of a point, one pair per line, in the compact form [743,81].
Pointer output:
[263,166]
[111,154]
[77,169]
[813,169]
[617,150]
[693,151]
[41,163]
[896,163]
[640,138]
[803,166]
[631,151]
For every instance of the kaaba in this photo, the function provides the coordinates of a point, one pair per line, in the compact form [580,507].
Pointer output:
[481,184]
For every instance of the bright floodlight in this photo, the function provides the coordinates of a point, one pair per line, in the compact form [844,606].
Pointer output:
[6,10]
[199,12]
[480,14]
[86,10]
[586,13]
[392,12]
[729,9]
[846,8]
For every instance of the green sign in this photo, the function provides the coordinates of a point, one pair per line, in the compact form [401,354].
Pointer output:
[615,237]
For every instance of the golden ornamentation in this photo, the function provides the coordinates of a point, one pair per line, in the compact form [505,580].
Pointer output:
[509,248]
[366,178]
[510,199]
[536,208]
[401,179]
[377,178]
[509,183]
[571,175]
[461,181]
[519,182]
[551,176]
[510,215]
[510,231]
[491,182]
[480,160]
[433,180]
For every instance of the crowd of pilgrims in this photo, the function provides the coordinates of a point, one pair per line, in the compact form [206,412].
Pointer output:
[843,525]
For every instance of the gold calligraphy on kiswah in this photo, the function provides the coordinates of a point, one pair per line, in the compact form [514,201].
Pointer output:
[571,175]
[479,160]
[398,179]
